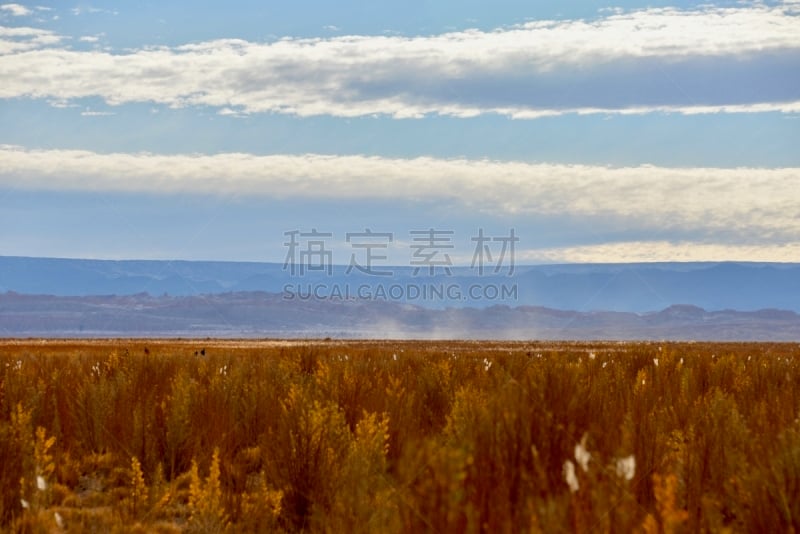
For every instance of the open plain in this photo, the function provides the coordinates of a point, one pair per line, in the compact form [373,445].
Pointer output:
[135,435]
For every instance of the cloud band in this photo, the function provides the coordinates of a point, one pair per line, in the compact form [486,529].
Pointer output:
[707,60]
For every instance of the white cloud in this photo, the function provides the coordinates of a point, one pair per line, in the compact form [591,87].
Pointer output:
[709,60]
[657,251]
[89,38]
[16,10]
[62,104]
[77,11]
[15,40]
[228,112]
[744,205]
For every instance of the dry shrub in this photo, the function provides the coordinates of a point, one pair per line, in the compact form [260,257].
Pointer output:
[160,436]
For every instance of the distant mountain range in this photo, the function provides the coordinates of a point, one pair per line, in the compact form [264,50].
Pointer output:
[70,297]
[255,314]
[637,288]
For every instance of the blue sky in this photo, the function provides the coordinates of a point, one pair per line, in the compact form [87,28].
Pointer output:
[632,131]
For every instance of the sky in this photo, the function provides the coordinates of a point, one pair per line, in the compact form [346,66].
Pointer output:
[621,132]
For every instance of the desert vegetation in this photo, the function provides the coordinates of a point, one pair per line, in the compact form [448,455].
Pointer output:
[213,436]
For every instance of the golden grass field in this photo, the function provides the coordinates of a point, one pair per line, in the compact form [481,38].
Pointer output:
[380,436]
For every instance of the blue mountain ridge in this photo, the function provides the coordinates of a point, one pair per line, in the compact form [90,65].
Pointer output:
[636,288]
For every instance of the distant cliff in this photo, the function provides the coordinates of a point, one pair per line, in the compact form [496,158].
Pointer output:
[258,314]
[638,288]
